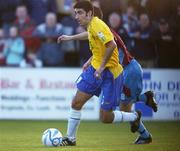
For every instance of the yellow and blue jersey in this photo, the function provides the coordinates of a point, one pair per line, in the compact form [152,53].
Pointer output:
[98,35]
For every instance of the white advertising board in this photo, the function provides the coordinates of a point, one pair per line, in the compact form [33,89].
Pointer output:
[166,85]
[41,94]
[47,94]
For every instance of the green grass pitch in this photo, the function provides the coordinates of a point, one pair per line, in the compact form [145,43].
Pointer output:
[92,136]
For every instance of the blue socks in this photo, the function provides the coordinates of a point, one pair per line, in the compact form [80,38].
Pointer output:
[143,131]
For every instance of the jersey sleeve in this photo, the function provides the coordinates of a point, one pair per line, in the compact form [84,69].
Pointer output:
[102,32]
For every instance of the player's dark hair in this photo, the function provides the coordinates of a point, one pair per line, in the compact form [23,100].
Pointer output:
[85,5]
[98,12]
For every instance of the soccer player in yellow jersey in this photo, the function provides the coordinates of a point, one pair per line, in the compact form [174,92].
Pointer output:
[102,74]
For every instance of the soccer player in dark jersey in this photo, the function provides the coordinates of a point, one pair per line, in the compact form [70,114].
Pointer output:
[132,88]
[132,84]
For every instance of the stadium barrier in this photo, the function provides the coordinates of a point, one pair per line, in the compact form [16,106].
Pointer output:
[40,94]
[46,93]
[166,85]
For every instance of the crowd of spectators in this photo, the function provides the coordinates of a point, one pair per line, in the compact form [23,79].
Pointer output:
[29,31]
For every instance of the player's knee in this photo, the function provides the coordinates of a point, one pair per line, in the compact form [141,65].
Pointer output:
[106,118]
[76,105]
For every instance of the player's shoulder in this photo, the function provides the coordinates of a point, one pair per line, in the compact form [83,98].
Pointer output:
[98,25]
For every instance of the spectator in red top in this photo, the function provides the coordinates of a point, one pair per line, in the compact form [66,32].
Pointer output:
[26,27]
[7,15]
[23,22]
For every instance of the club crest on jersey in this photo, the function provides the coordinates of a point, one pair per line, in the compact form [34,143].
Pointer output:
[101,36]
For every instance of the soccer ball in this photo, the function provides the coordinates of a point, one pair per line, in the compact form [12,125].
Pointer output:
[51,137]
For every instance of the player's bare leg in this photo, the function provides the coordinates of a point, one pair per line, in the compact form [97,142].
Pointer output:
[118,116]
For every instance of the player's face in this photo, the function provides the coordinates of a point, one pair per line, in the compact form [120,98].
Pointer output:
[82,17]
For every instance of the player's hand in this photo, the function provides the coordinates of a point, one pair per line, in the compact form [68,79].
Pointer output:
[98,72]
[64,38]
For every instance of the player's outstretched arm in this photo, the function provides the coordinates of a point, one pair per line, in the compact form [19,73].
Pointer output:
[81,36]
[64,38]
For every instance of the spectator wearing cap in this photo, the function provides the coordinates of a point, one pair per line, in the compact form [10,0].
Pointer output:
[175,20]
[165,44]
